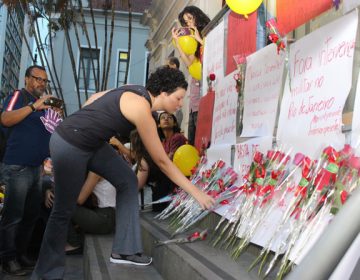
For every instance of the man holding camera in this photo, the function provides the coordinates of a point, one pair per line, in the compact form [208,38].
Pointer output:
[24,119]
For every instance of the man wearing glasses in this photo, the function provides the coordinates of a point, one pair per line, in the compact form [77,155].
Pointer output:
[26,148]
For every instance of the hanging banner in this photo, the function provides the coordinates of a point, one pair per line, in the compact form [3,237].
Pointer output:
[224,115]
[203,126]
[349,5]
[241,38]
[293,13]
[263,85]
[320,71]
[213,56]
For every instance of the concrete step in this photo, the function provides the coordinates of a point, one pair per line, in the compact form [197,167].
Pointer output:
[197,260]
[97,265]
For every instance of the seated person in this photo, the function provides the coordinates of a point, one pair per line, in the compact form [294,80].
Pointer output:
[95,212]
[147,171]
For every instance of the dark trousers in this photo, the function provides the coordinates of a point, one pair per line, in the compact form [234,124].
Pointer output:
[71,166]
[192,127]
[21,209]
[94,221]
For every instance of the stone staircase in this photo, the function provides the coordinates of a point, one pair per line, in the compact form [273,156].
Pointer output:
[197,260]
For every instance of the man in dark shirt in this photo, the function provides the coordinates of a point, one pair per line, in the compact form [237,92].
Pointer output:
[27,146]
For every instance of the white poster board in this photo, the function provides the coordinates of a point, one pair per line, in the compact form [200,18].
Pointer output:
[263,82]
[224,115]
[348,5]
[217,152]
[320,80]
[213,56]
[244,153]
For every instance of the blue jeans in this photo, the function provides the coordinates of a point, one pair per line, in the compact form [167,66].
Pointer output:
[21,209]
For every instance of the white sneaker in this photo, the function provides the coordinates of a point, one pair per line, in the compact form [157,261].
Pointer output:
[137,259]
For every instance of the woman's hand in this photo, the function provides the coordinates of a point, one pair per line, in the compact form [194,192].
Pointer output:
[49,198]
[205,201]
[175,34]
[197,35]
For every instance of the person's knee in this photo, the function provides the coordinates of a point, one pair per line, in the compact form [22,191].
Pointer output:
[130,185]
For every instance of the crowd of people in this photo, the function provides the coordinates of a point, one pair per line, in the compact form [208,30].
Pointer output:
[79,178]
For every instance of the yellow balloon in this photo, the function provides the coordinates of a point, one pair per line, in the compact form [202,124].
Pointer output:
[243,7]
[195,70]
[188,44]
[185,158]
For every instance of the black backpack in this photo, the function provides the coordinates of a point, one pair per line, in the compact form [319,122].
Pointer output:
[5,132]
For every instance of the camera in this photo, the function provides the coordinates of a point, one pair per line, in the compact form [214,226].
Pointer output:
[54,102]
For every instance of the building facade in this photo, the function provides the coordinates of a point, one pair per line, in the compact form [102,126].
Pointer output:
[86,53]
[11,43]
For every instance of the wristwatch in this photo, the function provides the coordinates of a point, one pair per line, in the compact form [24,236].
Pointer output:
[31,105]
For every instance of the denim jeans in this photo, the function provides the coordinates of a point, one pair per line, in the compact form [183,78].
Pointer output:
[21,209]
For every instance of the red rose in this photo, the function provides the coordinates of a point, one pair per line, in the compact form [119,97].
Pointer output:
[273,37]
[355,162]
[343,196]
[212,77]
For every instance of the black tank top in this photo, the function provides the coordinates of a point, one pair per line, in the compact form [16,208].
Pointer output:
[96,123]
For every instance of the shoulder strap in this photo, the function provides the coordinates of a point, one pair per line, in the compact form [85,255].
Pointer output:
[25,100]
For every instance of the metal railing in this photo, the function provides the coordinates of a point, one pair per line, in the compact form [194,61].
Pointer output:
[332,245]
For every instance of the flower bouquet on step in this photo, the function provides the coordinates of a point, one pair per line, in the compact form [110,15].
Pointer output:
[221,188]
[307,207]
[347,180]
[217,182]
[181,195]
[308,212]
[237,204]
[262,200]
[294,195]
[253,200]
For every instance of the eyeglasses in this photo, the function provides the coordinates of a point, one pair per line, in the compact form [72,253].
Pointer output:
[39,80]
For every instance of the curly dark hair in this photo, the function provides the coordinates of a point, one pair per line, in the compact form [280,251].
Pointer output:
[166,79]
[201,19]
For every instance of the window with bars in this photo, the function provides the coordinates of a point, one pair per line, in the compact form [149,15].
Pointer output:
[122,65]
[87,77]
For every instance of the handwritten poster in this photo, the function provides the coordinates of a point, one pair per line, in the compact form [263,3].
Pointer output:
[213,56]
[244,153]
[320,80]
[241,38]
[349,5]
[355,130]
[293,13]
[217,152]
[224,115]
[263,85]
